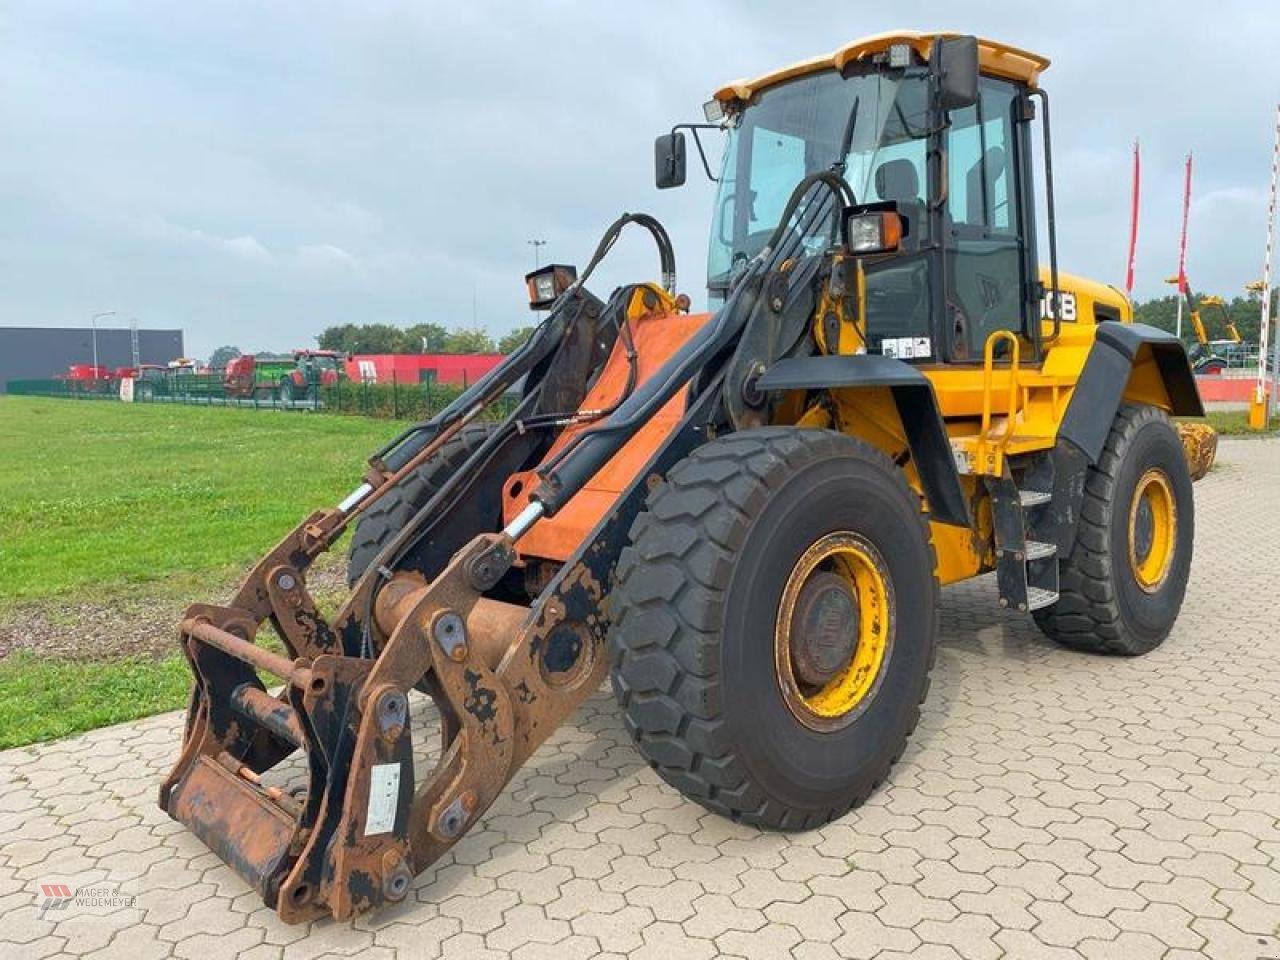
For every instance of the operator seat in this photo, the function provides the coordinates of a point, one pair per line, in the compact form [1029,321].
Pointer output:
[898,180]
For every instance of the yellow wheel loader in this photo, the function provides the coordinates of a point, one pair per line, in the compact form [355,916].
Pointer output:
[741,518]
[1207,355]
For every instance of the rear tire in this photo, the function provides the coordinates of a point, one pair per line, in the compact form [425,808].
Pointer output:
[1110,601]
[398,506]
[695,641]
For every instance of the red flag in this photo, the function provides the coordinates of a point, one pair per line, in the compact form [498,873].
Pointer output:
[1133,221]
[1182,248]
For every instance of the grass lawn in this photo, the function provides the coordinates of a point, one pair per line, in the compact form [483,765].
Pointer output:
[1235,423]
[114,517]
[42,698]
[106,507]
[102,497]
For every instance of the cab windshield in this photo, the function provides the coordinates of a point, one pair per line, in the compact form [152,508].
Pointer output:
[798,128]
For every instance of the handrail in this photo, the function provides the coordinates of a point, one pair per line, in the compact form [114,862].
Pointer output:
[988,376]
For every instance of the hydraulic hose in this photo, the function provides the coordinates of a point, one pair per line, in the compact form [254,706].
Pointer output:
[666,253]
[617,305]
[545,338]
[828,178]
[457,485]
[399,450]
[572,467]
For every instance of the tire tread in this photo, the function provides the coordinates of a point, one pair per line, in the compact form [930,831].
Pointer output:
[1087,615]
[667,603]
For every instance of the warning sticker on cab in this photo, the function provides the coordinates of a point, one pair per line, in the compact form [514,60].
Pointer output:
[384,799]
[907,348]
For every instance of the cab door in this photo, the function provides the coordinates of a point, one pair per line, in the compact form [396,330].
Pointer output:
[989,232]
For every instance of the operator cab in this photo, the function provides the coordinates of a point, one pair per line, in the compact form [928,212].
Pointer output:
[931,133]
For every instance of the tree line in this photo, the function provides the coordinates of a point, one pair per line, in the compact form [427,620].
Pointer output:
[354,338]
[1246,312]
[433,338]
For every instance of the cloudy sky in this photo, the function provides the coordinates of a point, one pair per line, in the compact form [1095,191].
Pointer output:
[254,172]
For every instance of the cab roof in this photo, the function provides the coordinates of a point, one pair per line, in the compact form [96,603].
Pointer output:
[994,59]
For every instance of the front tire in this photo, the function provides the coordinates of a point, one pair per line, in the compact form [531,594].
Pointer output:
[1121,586]
[762,717]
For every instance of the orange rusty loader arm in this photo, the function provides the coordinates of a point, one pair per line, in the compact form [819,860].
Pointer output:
[613,393]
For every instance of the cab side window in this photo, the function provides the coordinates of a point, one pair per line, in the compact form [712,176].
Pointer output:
[985,269]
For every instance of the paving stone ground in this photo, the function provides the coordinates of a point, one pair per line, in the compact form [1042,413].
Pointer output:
[1051,804]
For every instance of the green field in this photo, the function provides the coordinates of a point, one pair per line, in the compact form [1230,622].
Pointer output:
[114,517]
[42,698]
[100,499]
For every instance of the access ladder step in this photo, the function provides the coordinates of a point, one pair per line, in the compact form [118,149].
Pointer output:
[1033,498]
[1026,568]
[1039,550]
[1038,597]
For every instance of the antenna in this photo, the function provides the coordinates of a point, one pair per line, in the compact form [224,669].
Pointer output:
[133,342]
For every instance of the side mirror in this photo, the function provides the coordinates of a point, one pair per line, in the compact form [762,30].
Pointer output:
[669,160]
[958,68]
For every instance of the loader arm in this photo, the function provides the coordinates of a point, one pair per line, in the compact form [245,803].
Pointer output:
[502,675]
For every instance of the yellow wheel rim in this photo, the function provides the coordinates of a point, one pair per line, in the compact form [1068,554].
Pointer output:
[834,631]
[1153,528]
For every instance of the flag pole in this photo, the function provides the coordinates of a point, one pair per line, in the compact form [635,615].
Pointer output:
[1259,410]
[1182,246]
[1133,222]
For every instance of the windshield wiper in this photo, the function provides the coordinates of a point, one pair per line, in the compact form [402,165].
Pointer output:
[846,141]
